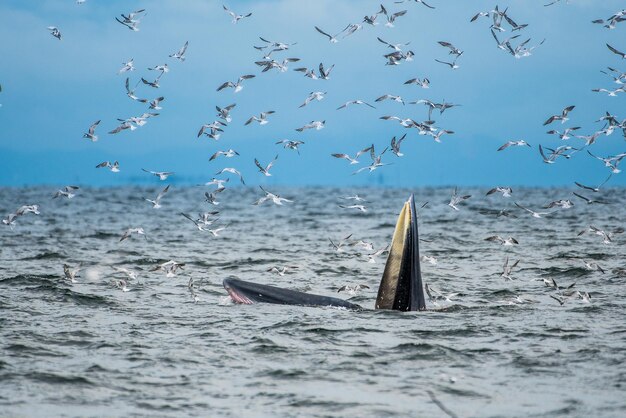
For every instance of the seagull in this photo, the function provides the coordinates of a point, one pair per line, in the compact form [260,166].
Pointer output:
[265,170]
[590,139]
[620,78]
[532,212]
[371,258]
[613,50]
[307,72]
[592,266]
[354,102]
[200,225]
[205,217]
[566,133]
[396,57]
[91,134]
[169,267]
[277,46]
[162,175]
[425,83]
[127,66]
[351,28]
[395,145]
[211,198]
[429,259]
[280,66]
[437,136]
[520,143]
[314,124]
[69,273]
[314,95]
[130,21]
[224,113]
[216,231]
[217,182]
[22,210]
[506,191]
[129,273]
[610,93]
[455,199]
[67,191]
[407,123]
[273,197]
[156,203]
[550,159]
[606,236]
[356,198]
[504,44]
[390,97]
[130,231]
[352,289]
[502,241]
[363,244]
[10,219]
[54,31]
[339,245]
[290,144]
[361,208]
[453,50]
[162,68]
[562,203]
[506,269]
[115,167]
[392,18]
[376,161]
[356,157]
[611,162]
[590,201]
[395,47]
[236,85]
[453,65]
[228,154]
[325,73]
[593,189]
[131,93]
[154,103]
[332,38]
[154,84]
[562,117]
[180,54]
[235,16]
[214,128]
[435,294]
[232,171]
[281,271]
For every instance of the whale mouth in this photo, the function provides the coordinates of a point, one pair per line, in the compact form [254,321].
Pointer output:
[236,296]
[400,289]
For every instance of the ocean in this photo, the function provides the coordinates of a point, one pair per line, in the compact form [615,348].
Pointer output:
[496,347]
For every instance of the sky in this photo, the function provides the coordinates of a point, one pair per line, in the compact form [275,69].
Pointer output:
[52,91]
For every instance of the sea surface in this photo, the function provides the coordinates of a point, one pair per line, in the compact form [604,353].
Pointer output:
[498,348]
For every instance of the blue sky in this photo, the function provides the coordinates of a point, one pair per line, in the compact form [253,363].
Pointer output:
[53,90]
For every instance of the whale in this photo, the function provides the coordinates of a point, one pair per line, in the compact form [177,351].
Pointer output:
[401,286]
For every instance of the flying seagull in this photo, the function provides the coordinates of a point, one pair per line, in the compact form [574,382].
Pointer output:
[265,170]
[54,31]
[91,134]
[156,203]
[562,117]
[162,175]
[236,17]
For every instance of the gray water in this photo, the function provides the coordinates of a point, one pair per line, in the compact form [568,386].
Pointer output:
[498,348]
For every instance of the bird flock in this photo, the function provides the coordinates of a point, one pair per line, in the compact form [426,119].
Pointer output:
[508,35]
